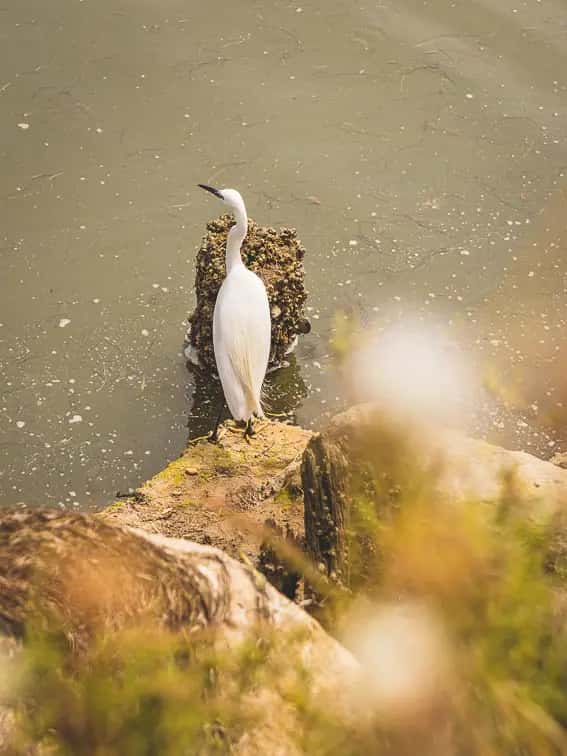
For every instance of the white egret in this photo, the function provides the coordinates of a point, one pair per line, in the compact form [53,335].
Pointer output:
[241,324]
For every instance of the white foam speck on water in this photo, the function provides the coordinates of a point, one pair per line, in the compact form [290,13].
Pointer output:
[64,322]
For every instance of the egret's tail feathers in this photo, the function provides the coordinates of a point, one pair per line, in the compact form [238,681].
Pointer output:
[254,405]
[242,366]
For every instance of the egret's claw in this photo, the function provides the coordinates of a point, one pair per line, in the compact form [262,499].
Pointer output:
[249,432]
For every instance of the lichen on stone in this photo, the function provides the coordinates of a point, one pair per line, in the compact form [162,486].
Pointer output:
[277,257]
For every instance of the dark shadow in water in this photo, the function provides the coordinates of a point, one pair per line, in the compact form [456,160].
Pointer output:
[284,390]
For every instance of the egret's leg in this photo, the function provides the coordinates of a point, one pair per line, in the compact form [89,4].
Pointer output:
[214,437]
[249,432]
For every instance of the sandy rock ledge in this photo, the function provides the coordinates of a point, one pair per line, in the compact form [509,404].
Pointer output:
[225,495]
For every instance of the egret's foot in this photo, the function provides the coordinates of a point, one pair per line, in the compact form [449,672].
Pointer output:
[249,432]
[213,437]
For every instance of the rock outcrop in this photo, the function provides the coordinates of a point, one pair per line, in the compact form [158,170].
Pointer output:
[363,454]
[75,574]
[231,495]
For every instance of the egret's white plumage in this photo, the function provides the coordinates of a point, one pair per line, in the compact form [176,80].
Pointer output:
[241,321]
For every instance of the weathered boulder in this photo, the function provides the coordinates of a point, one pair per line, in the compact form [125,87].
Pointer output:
[78,574]
[277,257]
[363,454]
[95,575]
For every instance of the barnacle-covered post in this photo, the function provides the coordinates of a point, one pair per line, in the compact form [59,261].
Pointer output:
[277,257]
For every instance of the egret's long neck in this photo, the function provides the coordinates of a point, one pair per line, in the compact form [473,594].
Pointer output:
[236,236]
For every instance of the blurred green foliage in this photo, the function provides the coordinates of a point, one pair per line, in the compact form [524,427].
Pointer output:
[135,692]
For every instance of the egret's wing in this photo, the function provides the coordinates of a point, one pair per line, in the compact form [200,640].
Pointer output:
[241,337]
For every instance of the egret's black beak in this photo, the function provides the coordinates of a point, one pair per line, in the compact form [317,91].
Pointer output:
[212,190]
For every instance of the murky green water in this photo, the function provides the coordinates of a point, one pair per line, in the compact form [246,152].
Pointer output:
[418,147]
